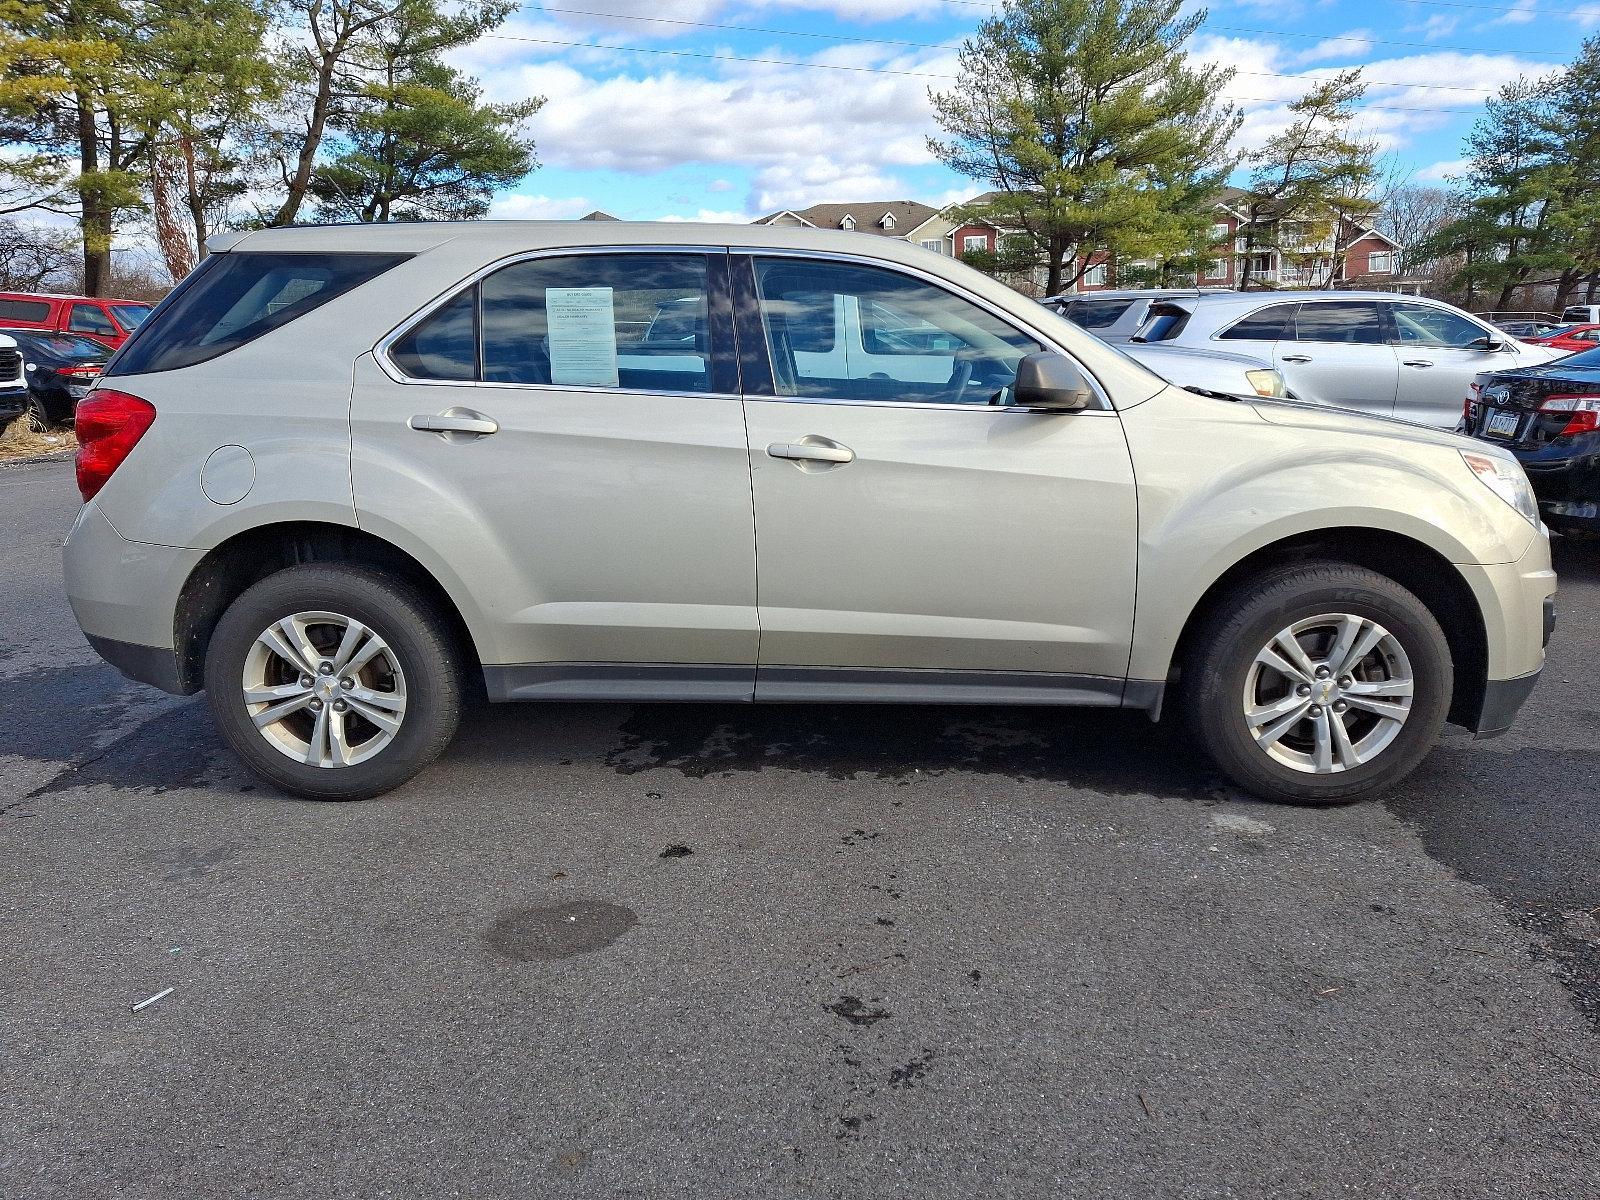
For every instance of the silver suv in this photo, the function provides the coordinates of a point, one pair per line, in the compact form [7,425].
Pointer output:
[1373,352]
[343,474]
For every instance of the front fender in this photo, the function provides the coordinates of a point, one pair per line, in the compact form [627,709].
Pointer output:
[1218,484]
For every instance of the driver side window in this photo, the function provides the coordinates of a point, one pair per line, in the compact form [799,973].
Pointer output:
[839,331]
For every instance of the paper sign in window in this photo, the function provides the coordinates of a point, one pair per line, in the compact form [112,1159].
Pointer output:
[583,336]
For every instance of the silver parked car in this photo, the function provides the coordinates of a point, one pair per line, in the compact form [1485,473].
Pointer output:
[1115,315]
[340,472]
[1212,372]
[1374,352]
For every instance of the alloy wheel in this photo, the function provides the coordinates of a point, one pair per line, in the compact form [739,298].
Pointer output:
[1328,693]
[324,689]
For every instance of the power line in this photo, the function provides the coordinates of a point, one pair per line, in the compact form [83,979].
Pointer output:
[866,41]
[781,62]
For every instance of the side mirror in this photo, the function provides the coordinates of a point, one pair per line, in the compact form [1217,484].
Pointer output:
[1047,380]
[1487,344]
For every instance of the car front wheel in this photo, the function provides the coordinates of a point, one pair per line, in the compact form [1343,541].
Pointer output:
[334,682]
[1319,683]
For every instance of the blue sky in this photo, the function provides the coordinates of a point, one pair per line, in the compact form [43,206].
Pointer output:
[726,109]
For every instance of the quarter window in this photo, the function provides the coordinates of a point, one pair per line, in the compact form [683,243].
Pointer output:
[1348,322]
[635,321]
[846,332]
[445,345]
[1268,324]
[1424,325]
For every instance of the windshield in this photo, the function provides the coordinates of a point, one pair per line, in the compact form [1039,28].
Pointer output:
[132,315]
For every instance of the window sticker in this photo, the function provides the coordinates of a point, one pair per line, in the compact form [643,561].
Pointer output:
[583,336]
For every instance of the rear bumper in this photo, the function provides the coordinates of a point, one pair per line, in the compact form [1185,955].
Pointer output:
[142,664]
[1566,478]
[125,595]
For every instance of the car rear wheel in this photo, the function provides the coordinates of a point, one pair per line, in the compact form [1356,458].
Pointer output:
[334,682]
[1318,683]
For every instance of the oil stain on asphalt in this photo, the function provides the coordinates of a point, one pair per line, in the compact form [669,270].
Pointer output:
[558,930]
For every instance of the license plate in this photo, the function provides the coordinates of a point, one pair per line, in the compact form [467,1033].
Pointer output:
[1502,424]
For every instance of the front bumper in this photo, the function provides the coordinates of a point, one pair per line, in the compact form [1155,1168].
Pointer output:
[13,402]
[1517,601]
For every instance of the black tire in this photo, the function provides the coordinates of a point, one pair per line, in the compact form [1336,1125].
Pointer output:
[38,415]
[402,616]
[1245,621]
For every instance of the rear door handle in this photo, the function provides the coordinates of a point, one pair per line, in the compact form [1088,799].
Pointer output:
[1297,358]
[455,420]
[813,449]
[1416,362]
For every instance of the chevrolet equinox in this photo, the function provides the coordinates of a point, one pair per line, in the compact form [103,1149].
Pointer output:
[342,474]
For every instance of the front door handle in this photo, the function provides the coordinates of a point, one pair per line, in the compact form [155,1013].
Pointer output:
[813,449]
[1416,362]
[1297,358]
[453,421]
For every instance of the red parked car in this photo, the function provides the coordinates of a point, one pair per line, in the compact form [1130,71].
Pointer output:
[109,322]
[1569,337]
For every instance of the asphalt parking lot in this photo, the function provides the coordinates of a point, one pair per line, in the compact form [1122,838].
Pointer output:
[755,952]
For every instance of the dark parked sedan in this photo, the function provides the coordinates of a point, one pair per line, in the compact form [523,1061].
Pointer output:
[1549,417]
[60,369]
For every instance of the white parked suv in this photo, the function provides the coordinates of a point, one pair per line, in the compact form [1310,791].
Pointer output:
[1373,352]
[342,472]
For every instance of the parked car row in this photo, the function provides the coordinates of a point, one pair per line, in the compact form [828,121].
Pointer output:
[1415,359]
[56,371]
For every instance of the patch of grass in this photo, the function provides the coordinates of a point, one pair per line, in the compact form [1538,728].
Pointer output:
[19,441]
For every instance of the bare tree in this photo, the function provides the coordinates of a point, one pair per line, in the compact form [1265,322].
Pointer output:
[30,254]
[1410,214]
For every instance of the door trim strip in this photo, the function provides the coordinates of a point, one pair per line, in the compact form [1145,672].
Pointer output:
[723,683]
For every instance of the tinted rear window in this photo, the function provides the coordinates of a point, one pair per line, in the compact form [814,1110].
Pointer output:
[1265,325]
[24,310]
[1096,314]
[1166,321]
[131,316]
[445,345]
[237,297]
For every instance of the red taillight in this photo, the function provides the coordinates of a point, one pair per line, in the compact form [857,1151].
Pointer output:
[1582,413]
[1474,390]
[79,372]
[109,425]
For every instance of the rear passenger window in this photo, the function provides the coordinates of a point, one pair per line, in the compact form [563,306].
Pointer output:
[232,299]
[444,345]
[1265,325]
[24,310]
[635,321]
[1348,322]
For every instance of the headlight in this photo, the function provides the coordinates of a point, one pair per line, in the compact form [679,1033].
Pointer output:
[1267,382]
[1507,480]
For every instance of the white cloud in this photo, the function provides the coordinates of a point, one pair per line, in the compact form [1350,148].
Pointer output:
[1439,172]
[805,133]
[719,185]
[516,207]
[1355,43]
[1586,16]
[1437,26]
[1521,12]
[711,216]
